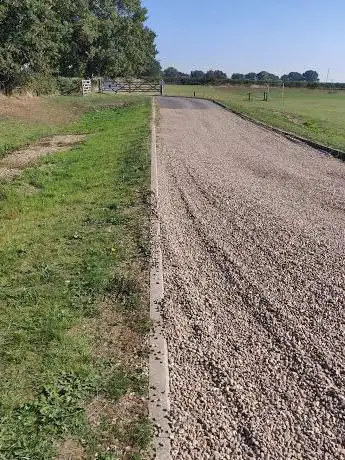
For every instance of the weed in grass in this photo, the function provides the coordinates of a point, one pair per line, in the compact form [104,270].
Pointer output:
[125,290]
[60,249]
[56,410]
[121,381]
[140,433]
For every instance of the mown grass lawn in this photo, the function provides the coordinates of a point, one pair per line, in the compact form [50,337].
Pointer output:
[73,294]
[318,115]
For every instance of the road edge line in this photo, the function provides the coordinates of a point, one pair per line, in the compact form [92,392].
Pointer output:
[159,399]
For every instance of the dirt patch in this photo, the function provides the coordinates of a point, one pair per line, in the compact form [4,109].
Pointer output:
[112,334]
[70,450]
[37,110]
[28,190]
[123,348]
[120,414]
[114,421]
[12,164]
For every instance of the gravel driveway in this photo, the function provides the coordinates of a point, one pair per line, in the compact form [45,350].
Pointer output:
[253,254]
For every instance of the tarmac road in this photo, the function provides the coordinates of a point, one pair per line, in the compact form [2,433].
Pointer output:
[254,312]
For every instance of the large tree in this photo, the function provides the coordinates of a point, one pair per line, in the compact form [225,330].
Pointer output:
[267,77]
[105,37]
[311,76]
[215,75]
[197,74]
[293,77]
[27,40]
[237,76]
[171,72]
[250,76]
[74,38]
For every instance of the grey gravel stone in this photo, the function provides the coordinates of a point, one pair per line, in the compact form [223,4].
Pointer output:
[253,253]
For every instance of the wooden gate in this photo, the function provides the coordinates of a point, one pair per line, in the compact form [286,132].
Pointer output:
[86,87]
[134,86]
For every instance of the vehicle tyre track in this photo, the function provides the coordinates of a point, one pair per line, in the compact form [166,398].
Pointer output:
[253,243]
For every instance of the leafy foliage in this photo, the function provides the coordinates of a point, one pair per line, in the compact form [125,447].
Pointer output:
[199,74]
[56,410]
[311,76]
[251,76]
[213,76]
[74,38]
[171,72]
[237,76]
[27,32]
[266,76]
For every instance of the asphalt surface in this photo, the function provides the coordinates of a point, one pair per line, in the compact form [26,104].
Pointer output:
[254,312]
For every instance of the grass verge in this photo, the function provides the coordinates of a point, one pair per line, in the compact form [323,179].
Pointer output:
[26,119]
[313,114]
[73,300]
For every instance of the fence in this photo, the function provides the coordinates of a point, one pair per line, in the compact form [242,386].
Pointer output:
[86,87]
[136,86]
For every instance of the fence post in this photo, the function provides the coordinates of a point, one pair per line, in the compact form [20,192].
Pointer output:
[249,96]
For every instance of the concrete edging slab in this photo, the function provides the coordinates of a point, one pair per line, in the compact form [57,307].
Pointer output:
[159,402]
[294,137]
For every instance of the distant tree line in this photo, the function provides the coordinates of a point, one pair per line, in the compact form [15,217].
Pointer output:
[74,38]
[200,77]
[310,76]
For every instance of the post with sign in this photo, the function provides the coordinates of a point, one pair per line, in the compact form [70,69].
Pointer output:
[161,84]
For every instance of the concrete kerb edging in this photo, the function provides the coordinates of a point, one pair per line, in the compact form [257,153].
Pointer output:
[292,137]
[159,401]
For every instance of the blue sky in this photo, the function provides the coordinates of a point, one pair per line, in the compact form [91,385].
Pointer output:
[251,35]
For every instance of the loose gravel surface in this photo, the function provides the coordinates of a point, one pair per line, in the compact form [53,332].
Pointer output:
[253,253]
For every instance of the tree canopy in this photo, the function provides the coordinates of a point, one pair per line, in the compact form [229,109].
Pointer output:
[250,76]
[266,76]
[75,38]
[171,72]
[199,76]
[237,76]
[213,75]
[311,76]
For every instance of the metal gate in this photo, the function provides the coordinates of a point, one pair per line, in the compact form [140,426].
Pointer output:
[135,86]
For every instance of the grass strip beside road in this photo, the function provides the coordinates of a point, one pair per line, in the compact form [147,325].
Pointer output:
[26,119]
[313,114]
[74,248]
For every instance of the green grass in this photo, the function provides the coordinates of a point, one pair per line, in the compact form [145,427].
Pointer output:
[313,114]
[23,121]
[78,239]
[15,133]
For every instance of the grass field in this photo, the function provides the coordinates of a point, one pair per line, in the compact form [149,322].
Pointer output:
[74,251]
[313,114]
